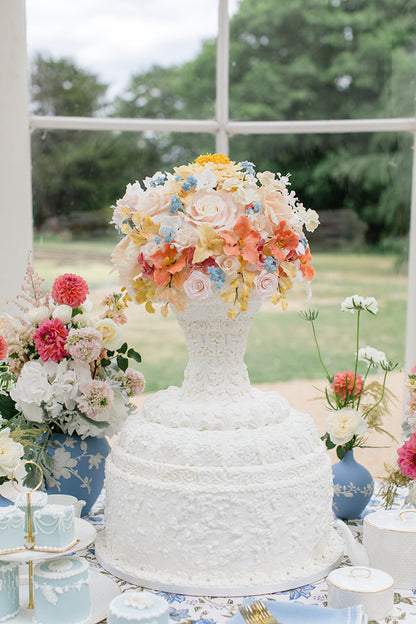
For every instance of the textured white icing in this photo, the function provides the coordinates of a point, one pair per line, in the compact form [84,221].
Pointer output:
[60,565]
[218,483]
[139,600]
[37,499]
[48,569]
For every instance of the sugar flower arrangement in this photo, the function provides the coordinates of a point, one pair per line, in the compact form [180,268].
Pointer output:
[355,403]
[61,370]
[212,226]
[403,473]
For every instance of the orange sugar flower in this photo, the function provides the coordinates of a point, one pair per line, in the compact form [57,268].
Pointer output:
[167,263]
[246,243]
[306,269]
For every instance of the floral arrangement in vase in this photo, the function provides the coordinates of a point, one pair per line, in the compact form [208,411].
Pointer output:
[62,370]
[355,403]
[403,473]
[212,226]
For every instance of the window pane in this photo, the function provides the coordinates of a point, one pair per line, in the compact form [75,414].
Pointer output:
[126,45]
[322,59]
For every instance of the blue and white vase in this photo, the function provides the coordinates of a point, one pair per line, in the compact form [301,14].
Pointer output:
[79,467]
[353,487]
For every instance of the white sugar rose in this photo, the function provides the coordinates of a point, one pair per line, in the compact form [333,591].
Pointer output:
[343,424]
[11,453]
[37,315]
[266,283]
[215,208]
[112,334]
[197,285]
[63,313]
[186,237]
[311,219]
[153,202]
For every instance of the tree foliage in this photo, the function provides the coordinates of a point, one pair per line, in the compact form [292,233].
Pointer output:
[297,60]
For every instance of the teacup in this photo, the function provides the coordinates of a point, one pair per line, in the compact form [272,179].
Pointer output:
[67,499]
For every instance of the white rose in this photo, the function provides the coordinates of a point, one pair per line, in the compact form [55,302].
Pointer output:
[266,283]
[86,306]
[37,315]
[81,319]
[371,356]
[343,424]
[197,285]
[31,390]
[11,453]
[63,313]
[112,334]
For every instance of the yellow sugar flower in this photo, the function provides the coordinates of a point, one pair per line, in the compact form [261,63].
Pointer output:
[210,244]
[218,159]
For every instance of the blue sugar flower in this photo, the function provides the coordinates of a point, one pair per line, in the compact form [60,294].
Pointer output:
[167,234]
[175,204]
[217,276]
[158,239]
[248,167]
[255,208]
[270,264]
[189,183]
[157,180]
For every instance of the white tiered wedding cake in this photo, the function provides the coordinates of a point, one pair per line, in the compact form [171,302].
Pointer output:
[216,487]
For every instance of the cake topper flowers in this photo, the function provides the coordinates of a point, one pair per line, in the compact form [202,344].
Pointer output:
[355,403]
[212,226]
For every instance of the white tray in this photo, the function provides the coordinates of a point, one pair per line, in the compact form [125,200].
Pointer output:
[84,532]
[102,591]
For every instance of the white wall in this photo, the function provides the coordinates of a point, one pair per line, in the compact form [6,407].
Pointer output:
[15,175]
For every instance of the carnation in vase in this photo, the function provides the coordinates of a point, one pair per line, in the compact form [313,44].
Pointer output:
[70,289]
[346,385]
[407,457]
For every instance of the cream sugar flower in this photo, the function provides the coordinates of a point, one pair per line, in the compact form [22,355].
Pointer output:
[212,224]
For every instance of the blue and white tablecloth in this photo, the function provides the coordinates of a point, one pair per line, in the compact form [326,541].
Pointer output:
[206,610]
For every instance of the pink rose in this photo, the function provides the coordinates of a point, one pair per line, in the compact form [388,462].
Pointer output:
[275,206]
[266,283]
[153,202]
[215,208]
[229,264]
[197,285]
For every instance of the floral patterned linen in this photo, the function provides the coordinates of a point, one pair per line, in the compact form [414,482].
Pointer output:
[206,610]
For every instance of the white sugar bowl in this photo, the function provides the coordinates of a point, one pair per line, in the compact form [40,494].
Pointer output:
[389,538]
[355,585]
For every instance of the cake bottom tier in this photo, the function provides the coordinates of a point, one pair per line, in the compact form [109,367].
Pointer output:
[219,508]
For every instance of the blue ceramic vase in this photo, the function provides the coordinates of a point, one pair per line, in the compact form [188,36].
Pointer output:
[353,487]
[79,466]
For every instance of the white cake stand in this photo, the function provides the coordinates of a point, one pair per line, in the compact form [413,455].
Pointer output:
[331,559]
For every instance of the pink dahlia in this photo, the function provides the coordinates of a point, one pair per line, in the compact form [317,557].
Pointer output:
[407,457]
[50,338]
[69,289]
[344,384]
[3,349]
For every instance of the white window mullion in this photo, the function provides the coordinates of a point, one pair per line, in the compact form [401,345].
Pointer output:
[410,350]
[223,40]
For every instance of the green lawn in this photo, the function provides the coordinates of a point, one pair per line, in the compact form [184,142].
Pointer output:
[280,345]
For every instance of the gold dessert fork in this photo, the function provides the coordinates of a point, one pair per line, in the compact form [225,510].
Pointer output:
[264,614]
[248,614]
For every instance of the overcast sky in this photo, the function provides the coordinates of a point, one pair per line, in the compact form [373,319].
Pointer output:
[116,38]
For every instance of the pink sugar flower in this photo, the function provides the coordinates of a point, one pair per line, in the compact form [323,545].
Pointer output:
[344,384]
[96,397]
[407,457]
[50,338]
[3,349]
[69,289]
